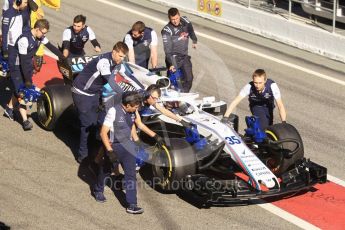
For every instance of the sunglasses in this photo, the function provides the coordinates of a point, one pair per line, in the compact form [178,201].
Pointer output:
[154,98]
[44,33]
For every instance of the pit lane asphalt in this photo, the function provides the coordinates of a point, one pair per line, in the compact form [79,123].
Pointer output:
[41,186]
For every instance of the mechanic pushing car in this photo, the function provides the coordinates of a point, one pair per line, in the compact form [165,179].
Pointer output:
[176,36]
[87,88]
[142,42]
[150,97]
[110,99]
[120,147]
[75,37]
[21,72]
[262,93]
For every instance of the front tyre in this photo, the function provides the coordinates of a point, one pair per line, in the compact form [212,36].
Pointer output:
[171,165]
[280,160]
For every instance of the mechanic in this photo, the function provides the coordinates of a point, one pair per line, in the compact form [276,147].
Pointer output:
[142,42]
[21,73]
[120,147]
[87,88]
[125,80]
[262,93]
[34,16]
[176,36]
[35,12]
[151,96]
[109,99]
[75,37]
[15,20]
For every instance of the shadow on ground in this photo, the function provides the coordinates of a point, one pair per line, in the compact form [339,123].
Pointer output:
[5,89]
[3,226]
[54,81]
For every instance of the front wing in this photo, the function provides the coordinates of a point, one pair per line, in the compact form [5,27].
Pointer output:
[302,177]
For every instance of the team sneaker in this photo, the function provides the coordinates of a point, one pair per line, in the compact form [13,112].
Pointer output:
[27,125]
[99,197]
[134,209]
[9,113]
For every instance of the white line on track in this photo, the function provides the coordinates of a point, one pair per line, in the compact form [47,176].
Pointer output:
[336,180]
[291,65]
[288,216]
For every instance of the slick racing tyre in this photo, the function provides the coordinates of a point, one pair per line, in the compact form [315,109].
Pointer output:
[52,104]
[290,147]
[171,165]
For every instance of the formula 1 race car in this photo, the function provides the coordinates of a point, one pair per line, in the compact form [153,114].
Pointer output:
[218,164]
[211,159]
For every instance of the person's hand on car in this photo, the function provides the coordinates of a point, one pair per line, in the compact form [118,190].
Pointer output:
[159,140]
[227,121]
[186,124]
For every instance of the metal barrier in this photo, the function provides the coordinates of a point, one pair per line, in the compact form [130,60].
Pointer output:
[331,9]
[323,9]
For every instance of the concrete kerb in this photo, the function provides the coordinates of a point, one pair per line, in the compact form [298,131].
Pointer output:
[294,33]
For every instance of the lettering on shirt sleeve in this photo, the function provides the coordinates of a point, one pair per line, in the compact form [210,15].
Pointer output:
[166,30]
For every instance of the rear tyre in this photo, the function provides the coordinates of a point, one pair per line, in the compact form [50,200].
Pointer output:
[279,162]
[55,100]
[171,165]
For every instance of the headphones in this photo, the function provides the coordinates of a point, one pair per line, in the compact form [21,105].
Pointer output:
[144,94]
[18,2]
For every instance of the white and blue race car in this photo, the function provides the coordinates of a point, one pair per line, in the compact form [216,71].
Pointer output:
[212,159]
